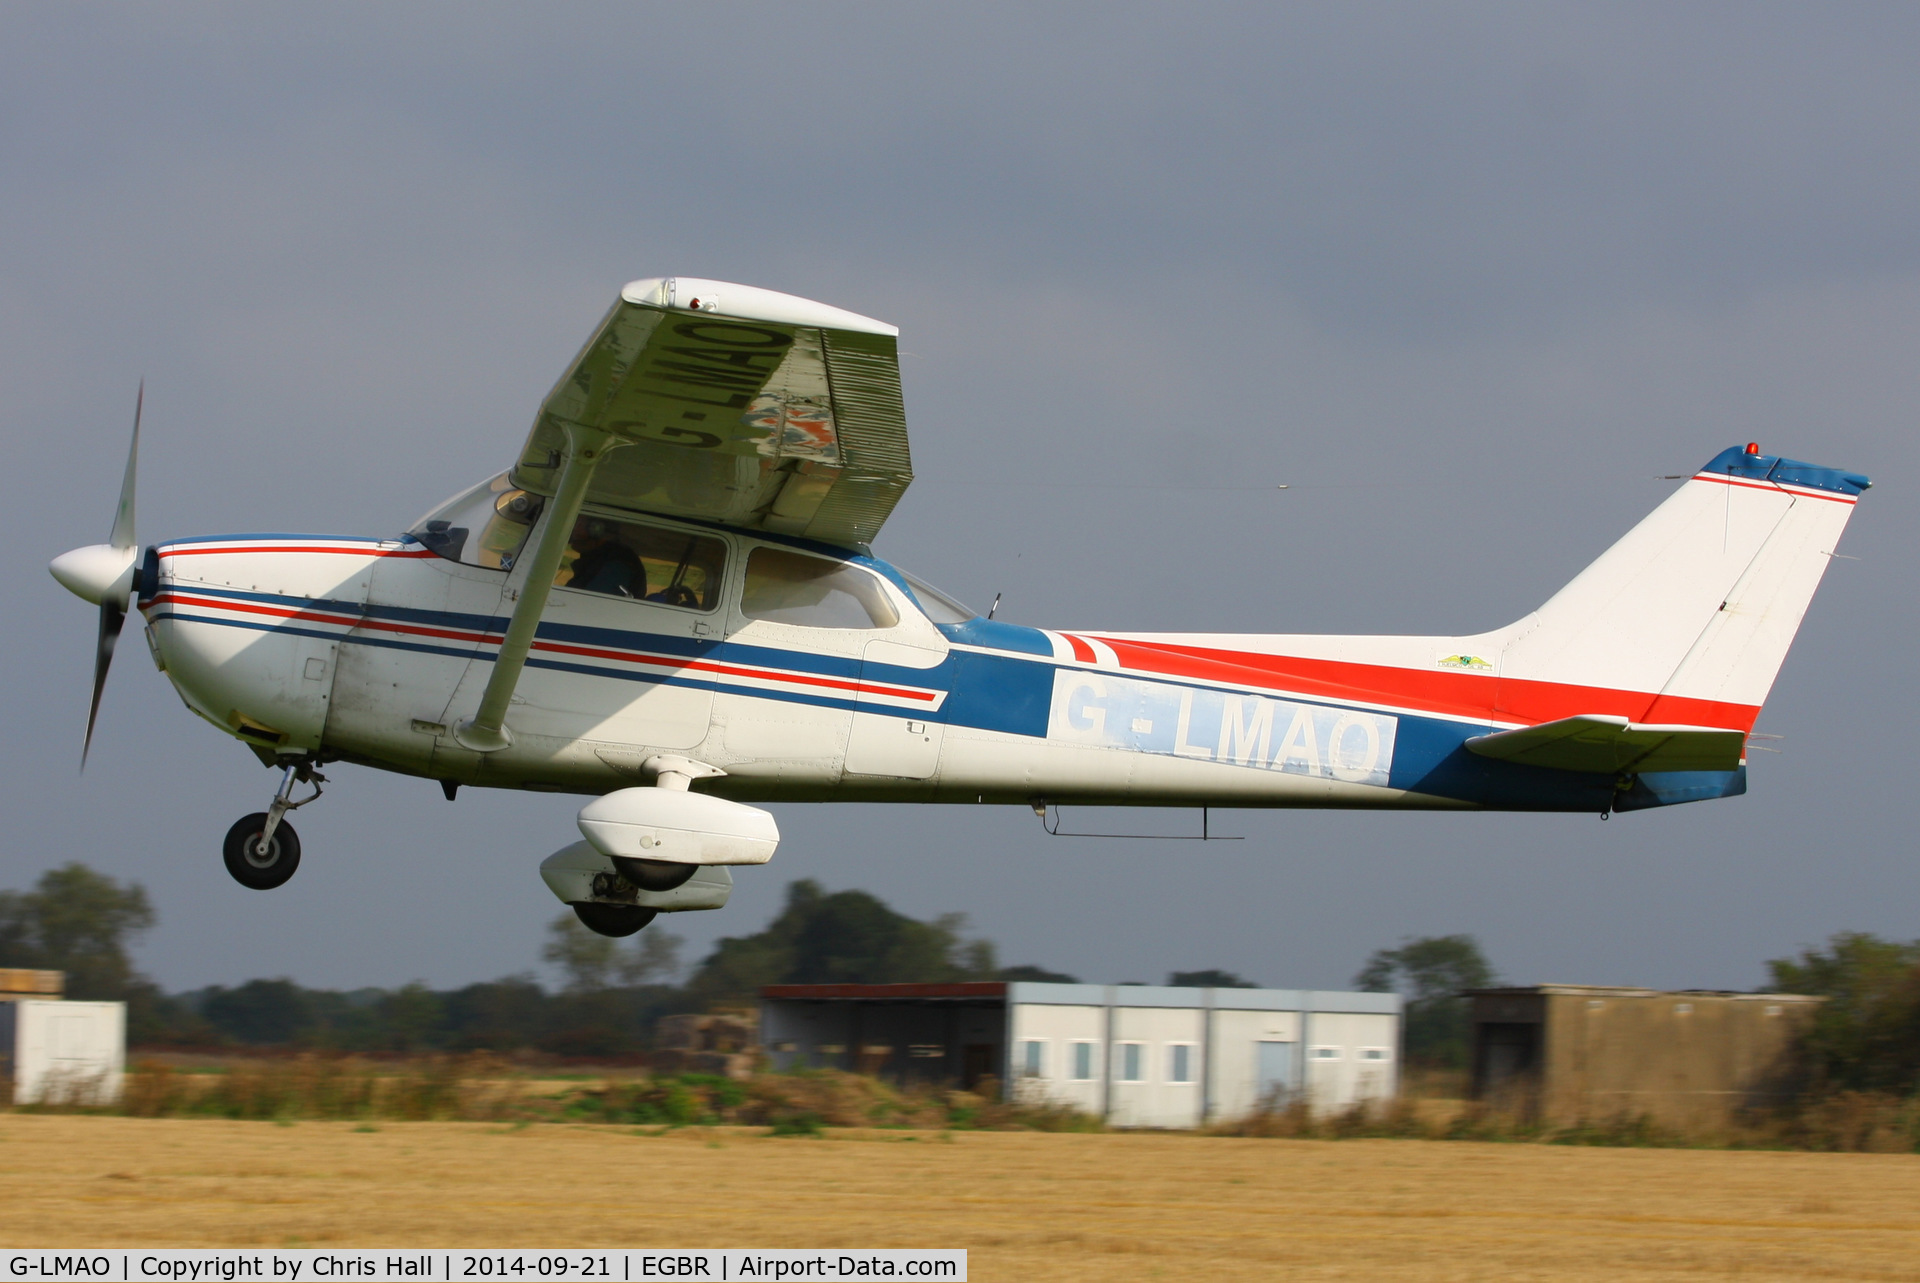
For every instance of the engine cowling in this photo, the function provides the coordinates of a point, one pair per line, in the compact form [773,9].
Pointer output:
[678,827]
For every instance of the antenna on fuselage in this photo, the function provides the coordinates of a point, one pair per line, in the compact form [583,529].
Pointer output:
[995,606]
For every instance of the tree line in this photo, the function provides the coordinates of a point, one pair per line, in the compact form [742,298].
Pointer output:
[612,991]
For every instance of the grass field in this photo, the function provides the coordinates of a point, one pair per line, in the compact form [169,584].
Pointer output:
[1028,1205]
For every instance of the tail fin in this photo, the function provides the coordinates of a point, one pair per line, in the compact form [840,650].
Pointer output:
[1686,620]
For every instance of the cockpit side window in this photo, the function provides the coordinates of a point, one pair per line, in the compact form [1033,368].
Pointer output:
[794,588]
[485,526]
[644,563]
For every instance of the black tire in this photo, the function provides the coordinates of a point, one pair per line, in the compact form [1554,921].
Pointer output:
[612,919]
[260,873]
[654,875]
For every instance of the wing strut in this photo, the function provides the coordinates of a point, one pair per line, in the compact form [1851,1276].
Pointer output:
[486,731]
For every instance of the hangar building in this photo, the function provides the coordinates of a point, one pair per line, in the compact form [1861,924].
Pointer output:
[1135,1055]
[1585,1053]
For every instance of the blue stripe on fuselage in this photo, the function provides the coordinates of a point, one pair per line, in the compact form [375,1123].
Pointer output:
[992,690]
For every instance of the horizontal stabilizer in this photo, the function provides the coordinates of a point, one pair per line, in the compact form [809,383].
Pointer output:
[1613,745]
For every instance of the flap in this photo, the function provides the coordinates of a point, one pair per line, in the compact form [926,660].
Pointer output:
[1604,745]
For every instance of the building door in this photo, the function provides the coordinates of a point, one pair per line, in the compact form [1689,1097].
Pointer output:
[1275,1073]
[1506,1064]
[980,1061]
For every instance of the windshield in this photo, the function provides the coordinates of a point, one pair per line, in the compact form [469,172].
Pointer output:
[485,526]
[940,608]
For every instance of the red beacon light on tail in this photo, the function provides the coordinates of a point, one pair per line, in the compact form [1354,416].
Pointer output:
[1753,447]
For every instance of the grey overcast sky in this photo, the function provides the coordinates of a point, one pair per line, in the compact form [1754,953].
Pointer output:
[1467,277]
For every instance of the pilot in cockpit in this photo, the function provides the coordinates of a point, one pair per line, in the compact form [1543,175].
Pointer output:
[604,564]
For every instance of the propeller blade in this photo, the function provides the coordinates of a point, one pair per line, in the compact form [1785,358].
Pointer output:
[112,616]
[122,536]
[113,609]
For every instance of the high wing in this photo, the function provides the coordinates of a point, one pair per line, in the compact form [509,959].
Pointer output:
[736,405]
[1607,745]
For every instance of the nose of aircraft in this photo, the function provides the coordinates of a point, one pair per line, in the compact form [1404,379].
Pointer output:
[97,573]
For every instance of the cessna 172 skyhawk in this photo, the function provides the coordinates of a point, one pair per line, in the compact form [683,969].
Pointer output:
[668,602]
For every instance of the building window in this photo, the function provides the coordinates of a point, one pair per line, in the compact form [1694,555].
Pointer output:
[1325,1053]
[1180,1062]
[1133,1062]
[1033,1058]
[1375,1054]
[1083,1062]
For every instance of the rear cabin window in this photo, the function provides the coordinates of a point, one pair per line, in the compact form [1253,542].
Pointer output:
[643,563]
[794,588]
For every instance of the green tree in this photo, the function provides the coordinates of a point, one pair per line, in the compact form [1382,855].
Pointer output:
[1211,978]
[842,937]
[1430,973]
[1867,1035]
[81,922]
[409,1018]
[260,1012]
[496,1015]
[1037,975]
[592,962]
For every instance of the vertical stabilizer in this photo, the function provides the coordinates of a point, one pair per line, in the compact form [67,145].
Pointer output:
[1690,615]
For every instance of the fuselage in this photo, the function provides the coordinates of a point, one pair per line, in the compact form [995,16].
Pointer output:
[371,651]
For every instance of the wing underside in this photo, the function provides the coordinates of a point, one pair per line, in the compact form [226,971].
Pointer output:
[735,405]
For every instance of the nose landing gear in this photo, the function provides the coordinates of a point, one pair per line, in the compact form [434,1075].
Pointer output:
[262,850]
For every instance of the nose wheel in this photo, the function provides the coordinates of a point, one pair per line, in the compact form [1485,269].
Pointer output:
[261,850]
[252,867]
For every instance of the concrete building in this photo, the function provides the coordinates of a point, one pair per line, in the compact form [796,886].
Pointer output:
[1135,1055]
[52,1049]
[1686,1059]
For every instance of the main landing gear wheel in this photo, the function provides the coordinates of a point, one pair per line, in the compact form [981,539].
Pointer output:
[252,867]
[654,875]
[610,919]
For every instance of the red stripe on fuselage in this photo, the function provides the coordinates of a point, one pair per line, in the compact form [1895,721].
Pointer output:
[731,670]
[592,652]
[1467,695]
[1081,651]
[361,551]
[321,616]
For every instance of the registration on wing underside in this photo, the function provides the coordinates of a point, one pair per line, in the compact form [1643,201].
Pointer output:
[1221,726]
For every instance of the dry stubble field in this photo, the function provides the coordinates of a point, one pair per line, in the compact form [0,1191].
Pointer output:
[1028,1205]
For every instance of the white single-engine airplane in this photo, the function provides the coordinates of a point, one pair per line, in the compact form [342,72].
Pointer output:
[668,603]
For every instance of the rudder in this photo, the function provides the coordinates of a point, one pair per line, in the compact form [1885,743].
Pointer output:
[1687,619]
